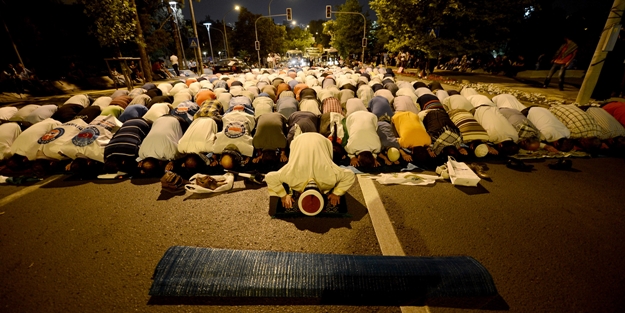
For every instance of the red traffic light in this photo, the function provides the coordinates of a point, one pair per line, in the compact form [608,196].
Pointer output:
[328,11]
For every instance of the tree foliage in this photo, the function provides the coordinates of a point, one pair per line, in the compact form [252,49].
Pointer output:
[270,35]
[116,26]
[316,30]
[462,26]
[347,29]
[298,38]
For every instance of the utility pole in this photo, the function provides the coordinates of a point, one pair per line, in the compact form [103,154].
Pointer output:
[594,69]
[147,73]
[198,52]
[174,26]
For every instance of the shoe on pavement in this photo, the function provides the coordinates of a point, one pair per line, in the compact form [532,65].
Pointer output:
[519,165]
[479,170]
[562,164]
[442,171]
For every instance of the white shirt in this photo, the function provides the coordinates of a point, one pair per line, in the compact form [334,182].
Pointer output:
[90,142]
[161,142]
[551,129]
[237,131]
[495,124]
[199,137]
[51,142]
[508,101]
[456,102]
[24,112]
[477,100]
[41,113]
[26,143]
[8,133]
[7,112]
[157,110]
[79,99]
[173,59]
[362,127]
[466,92]
[103,102]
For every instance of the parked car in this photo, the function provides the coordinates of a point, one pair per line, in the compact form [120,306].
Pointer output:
[231,65]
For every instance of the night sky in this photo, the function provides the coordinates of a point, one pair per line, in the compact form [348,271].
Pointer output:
[303,10]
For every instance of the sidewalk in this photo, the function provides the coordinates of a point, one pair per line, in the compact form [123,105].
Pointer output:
[526,86]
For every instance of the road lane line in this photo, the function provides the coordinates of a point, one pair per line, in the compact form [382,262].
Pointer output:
[18,194]
[384,231]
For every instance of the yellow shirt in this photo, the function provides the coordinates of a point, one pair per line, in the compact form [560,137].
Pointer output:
[410,130]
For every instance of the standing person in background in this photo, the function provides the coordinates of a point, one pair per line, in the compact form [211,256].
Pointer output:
[563,58]
[174,63]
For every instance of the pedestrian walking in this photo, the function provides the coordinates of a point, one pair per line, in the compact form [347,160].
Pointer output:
[562,59]
[174,63]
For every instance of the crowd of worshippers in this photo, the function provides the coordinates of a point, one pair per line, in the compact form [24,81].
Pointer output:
[247,122]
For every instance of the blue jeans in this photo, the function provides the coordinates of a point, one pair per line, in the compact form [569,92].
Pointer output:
[560,76]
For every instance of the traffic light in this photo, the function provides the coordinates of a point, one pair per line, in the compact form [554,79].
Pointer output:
[257,45]
[328,11]
[364,42]
[289,14]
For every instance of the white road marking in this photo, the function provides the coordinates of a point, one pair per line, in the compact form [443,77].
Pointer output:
[384,231]
[16,195]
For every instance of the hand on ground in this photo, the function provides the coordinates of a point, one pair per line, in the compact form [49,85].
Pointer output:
[463,151]
[551,149]
[492,151]
[354,162]
[287,201]
[334,199]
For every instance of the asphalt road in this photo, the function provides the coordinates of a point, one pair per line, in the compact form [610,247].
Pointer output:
[552,240]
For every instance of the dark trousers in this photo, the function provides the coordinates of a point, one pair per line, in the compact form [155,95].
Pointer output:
[175,66]
[560,76]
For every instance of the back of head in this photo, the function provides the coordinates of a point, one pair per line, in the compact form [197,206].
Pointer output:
[17,162]
[509,148]
[366,159]
[450,151]
[420,154]
[270,156]
[530,144]
[338,152]
[566,144]
[151,167]
[591,145]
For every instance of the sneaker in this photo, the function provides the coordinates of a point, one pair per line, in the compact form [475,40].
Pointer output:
[442,171]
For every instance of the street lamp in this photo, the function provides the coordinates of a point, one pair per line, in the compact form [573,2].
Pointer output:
[223,21]
[173,4]
[210,42]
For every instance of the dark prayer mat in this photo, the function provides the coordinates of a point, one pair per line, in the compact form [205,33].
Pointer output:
[323,279]
[276,209]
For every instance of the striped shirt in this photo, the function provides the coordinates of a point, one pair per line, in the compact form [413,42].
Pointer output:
[128,139]
[522,124]
[470,129]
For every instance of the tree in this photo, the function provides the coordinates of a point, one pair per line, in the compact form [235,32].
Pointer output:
[297,38]
[316,29]
[449,26]
[271,36]
[348,29]
[118,26]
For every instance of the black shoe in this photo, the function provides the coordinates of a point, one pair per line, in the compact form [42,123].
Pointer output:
[519,165]
[562,164]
